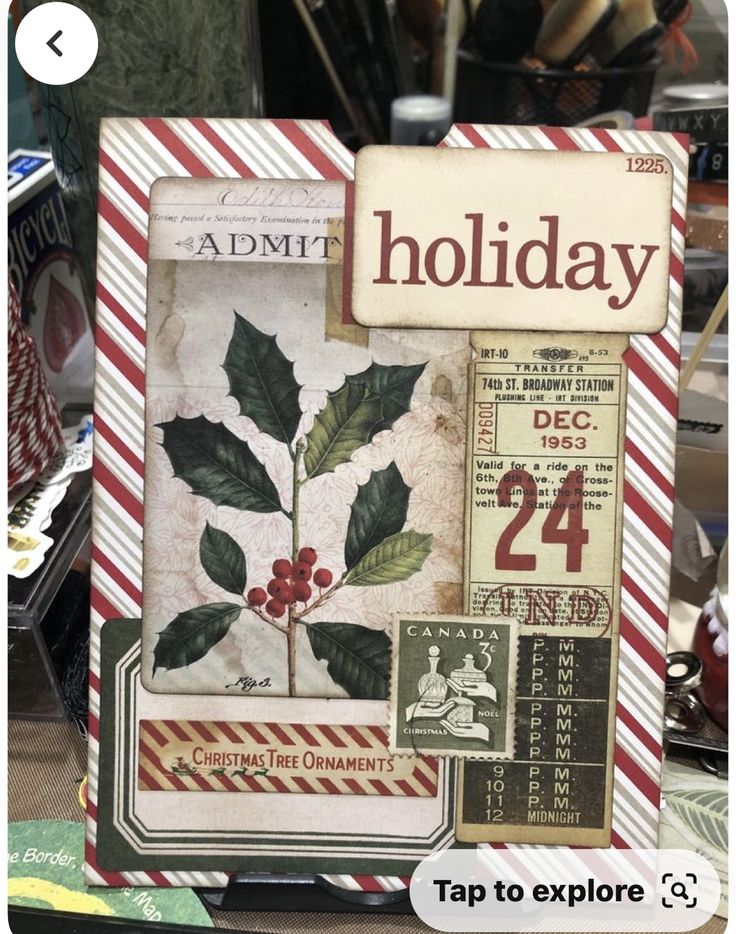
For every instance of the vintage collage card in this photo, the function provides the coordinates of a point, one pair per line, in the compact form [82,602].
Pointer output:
[375,473]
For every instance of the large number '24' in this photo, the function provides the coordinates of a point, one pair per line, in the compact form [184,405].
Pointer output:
[569,500]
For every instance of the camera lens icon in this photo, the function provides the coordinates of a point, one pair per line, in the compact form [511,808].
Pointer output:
[679,890]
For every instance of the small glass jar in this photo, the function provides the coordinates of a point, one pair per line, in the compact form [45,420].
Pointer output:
[468,674]
[711,646]
[432,685]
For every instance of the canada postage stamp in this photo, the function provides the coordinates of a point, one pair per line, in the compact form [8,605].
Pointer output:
[453,688]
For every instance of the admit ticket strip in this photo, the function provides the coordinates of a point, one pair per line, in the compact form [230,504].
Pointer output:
[543,505]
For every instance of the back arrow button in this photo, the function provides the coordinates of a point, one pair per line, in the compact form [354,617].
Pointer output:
[51,42]
[67,32]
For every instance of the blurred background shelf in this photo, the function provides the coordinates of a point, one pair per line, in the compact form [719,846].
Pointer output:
[40,632]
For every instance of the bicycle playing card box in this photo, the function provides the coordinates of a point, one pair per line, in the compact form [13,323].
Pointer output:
[383,496]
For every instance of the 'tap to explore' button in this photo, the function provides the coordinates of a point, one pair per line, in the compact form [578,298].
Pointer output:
[508,890]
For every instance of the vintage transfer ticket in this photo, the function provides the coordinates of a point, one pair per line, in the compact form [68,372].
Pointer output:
[544,503]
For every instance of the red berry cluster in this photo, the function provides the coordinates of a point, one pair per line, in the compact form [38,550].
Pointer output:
[290,583]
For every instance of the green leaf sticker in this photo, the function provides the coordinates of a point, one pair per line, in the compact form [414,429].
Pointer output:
[358,658]
[706,812]
[192,634]
[345,424]
[395,559]
[223,559]
[393,385]
[218,465]
[262,381]
[379,510]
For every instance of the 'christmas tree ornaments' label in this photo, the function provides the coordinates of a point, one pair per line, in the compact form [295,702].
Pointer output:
[453,689]
[282,758]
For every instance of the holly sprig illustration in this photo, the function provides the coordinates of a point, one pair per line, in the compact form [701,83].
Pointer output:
[221,467]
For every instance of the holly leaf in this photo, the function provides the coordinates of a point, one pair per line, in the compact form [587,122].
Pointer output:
[262,381]
[223,559]
[218,465]
[395,559]
[344,424]
[192,634]
[358,658]
[379,511]
[393,385]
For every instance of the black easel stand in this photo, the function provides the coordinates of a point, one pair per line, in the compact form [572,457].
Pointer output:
[291,892]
